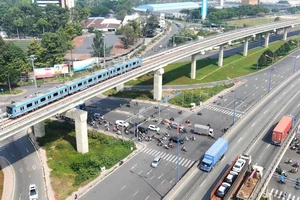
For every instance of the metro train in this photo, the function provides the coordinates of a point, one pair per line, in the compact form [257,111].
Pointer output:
[21,108]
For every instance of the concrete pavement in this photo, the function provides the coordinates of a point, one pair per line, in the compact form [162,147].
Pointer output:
[9,179]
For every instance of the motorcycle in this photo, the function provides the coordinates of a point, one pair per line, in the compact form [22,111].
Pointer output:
[166,146]
[163,138]
[193,138]
[167,134]
[187,121]
[180,112]
[183,149]
[296,164]
[293,147]
[294,170]
[289,161]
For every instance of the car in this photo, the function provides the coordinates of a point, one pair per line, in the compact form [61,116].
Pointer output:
[98,116]
[239,164]
[122,123]
[33,192]
[223,189]
[175,125]
[156,161]
[143,129]
[153,128]
[230,178]
[176,139]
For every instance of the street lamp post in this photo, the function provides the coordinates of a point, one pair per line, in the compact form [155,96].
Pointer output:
[258,54]
[32,58]
[174,36]
[294,69]
[270,79]
[104,50]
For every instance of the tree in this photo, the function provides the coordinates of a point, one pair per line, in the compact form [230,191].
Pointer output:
[18,23]
[97,11]
[136,26]
[42,24]
[129,36]
[98,44]
[151,25]
[35,49]
[69,31]
[277,19]
[262,61]
[275,10]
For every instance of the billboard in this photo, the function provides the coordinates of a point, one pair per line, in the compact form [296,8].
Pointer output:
[84,64]
[50,72]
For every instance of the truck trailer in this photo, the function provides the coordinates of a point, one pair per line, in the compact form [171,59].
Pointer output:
[232,177]
[203,130]
[251,181]
[214,154]
[282,129]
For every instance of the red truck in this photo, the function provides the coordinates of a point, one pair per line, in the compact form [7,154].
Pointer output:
[282,129]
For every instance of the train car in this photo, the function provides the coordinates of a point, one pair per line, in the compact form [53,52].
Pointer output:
[69,88]
[21,108]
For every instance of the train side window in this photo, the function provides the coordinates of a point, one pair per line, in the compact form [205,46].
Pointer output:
[36,102]
[126,66]
[43,99]
[55,94]
[90,80]
[134,63]
[49,97]
[22,108]
[118,69]
[65,90]
[29,105]
[79,84]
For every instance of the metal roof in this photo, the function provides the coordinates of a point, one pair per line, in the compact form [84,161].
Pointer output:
[167,6]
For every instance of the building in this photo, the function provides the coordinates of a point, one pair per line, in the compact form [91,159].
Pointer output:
[127,18]
[61,3]
[249,2]
[102,24]
[166,7]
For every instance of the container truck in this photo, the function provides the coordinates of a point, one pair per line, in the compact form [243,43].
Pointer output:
[203,130]
[251,181]
[282,129]
[231,177]
[214,154]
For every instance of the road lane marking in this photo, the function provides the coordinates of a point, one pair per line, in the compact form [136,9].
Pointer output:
[156,154]
[265,111]
[123,187]
[253,94]
[176,159]
[225,99]
[293,85]
[284,92]
[27,150]
[268,145]
[12,155]
[181,161]
[222,158]
[256,88]
[149,172]
[239,139]
[135,193]
[256,79]
[160,176]
[275,101]
[134,166]
[153,152]
[152,177]
[163,155]
[261,96]
[245,92]
[185,163]
[167,163]
[254,85]
[163,181]
[147,197]
[253,124]
[202,183]
[140,172]
[172,180]
[298,105]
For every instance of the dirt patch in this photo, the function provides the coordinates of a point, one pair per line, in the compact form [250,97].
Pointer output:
[119,49]
[78,41]
[1,182]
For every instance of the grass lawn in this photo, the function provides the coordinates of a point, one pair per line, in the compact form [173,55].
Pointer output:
[251,21]
[195,95]
[5,91]
[208,70]
[23,44]
[142,95]
[71,169]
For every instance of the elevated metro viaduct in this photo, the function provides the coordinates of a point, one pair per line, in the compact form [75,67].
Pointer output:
[66,105]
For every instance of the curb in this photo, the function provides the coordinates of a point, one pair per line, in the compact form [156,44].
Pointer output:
[9,179]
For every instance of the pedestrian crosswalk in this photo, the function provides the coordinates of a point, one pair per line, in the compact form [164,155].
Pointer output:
[169,157]
[223,110]
[281,195]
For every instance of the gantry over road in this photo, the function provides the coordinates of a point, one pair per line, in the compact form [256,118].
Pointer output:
[154,64]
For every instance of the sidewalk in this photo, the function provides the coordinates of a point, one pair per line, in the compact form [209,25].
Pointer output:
[9,179]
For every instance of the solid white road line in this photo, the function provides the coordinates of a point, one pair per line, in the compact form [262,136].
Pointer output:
[239,140]
[134,166]
[123,187]
[160,176]
[147,197]
[135,193]
[149,172]
[253,124]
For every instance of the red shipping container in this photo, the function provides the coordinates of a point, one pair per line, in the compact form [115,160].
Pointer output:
[281,130]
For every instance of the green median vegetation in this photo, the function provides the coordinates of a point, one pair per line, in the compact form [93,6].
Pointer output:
[208,71]
[71,169]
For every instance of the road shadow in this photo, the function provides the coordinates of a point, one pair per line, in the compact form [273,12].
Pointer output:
[268,137]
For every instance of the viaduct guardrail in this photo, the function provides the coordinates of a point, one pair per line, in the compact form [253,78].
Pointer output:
[151,63]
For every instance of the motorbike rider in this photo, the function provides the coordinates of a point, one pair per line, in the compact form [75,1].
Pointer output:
[183,148]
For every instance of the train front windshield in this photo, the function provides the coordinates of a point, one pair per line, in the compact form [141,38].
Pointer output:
[9,110]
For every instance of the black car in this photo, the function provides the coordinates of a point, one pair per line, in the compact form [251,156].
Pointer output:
[143,129]
[176,139]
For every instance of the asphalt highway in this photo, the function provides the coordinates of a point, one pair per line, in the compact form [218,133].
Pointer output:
[282,102]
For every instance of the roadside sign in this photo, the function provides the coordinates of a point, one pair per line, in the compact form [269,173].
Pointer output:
[56,196]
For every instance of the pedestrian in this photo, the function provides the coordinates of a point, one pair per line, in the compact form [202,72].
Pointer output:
[285,194]
[75,197]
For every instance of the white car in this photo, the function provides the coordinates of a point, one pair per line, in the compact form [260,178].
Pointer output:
[33,192]
[239,164]
[156,161]
[153,128]
[223,189]
[98,115]
[122,123]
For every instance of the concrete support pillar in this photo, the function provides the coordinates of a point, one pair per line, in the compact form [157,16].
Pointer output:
[80,118]
[120,87]
[193,66]
[284,34]
[267,38]
[158,84]
[221,53]
[245,53]
[39,129]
